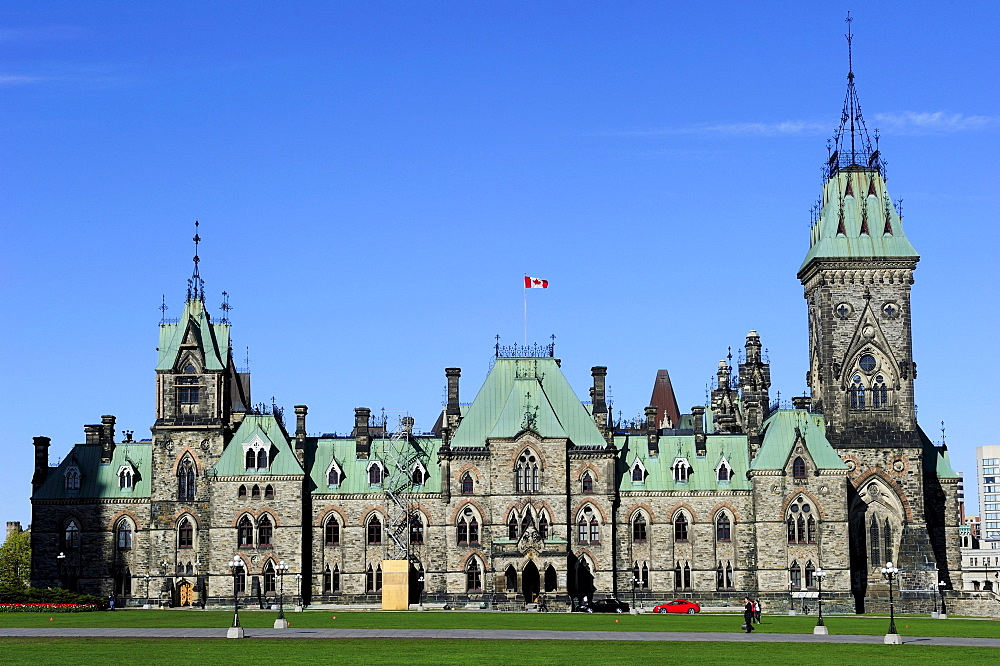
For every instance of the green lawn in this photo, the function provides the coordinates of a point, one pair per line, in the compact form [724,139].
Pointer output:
[221,651]
[847,624]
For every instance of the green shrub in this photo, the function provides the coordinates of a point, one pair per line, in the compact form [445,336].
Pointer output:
[10,594]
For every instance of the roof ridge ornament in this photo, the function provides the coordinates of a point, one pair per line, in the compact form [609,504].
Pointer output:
[196,286]
[852,145]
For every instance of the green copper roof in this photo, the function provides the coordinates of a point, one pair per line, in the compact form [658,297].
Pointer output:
[780,432]
[265,428]
[704,470]
[354,471]
[936,458]
[97,480]
[855,200]
[526,393]
[212,339]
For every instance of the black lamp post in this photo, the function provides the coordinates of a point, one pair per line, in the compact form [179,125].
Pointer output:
[203,581]
[298,586]
[61,562]
[146,578]
[941,586]
[890,573]
[420,599]
[236,567]
[635,584]
[820,627]
[281,622]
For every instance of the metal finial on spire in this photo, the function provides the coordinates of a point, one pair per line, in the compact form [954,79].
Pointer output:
[942,434]
[850,55]
[163,309]
[196,286]
[225,307]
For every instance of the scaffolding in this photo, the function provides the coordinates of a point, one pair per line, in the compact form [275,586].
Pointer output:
[403,460]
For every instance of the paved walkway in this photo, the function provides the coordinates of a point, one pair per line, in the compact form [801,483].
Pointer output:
[486,634]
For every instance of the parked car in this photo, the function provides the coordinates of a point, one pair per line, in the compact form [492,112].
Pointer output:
[607,606]
[678,606]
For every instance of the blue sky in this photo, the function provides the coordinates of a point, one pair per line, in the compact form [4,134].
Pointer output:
[374,179]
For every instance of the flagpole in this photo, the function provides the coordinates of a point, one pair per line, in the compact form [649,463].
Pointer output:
[525,290]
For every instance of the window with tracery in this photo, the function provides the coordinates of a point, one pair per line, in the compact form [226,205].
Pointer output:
[639,528]
[374,531]
[723,528]
[800,523]
[473,576]
[799,468]
[526,473]
[467,484]
[124,535]
[681,527]
[185,534]
[588,483]
[244,532]
[265,531]
[416,529]
[71,535]
[185,481]
[332,532]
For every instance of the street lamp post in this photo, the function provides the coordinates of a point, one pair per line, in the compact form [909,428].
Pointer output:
[281,622]
[61,561]
[298,587]
[890,573]
[420,599]
[820,627]
[635,584]
[791,600]
[146,578]
[944,613]
[204,582]
[236,567]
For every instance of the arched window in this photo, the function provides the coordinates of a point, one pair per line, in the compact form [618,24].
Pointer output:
[374,474]
[512,527]
[374,531]
[250,459]
[723,529]
[268,491]
[681,470]
[543,527]
[526,476]
[467,484]
[124,535]
[374,578]
[681,527]
[595,531]
[638,473]
[687,576]
[185,481]
[729,575]
[416,529]
[125,478]
[255,492]
[644,577]
[185,533]
[875,543]
[582,531]
[262,458]
[720,577]
[72,478]
[335,579]
[527,520]
[799,468]
[678,577]
[473,576]
[465,525]
[264,531]
[510,579]
[242,492]
[417,476]
[370,579]
[639,528]
[880,393]
[725,473]
[810,570]
[269,578]
[332,532]
[811,530]
[473,531]
[790,524]
[241,580]
[887,536]
[244,532]
[327,580]
[71,535]
[800,528]
[799,522]
[588,483]
[857,393]
[795,575]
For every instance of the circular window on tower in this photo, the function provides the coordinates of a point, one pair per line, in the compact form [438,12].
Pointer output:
[843,310]
[867,363]
[890,310]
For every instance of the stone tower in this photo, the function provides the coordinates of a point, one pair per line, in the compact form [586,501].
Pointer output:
[857,277]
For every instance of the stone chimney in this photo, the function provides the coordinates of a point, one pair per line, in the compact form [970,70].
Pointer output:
[107,438]
[652,432]
[700,447]
[406,424]
[300,432]
[597,396]
[92,434]
[453,412]
[41,461]
[802,402]
[362,438]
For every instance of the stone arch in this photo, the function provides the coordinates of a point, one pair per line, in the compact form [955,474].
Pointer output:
[684,506]
[460,507]
[123,514]
[524,444]
[195,460]
[578,509]
[861,483]
[645,508]
[587,467]
[367,515]
[472,469]
[734,515]
[324,516]
[801,492]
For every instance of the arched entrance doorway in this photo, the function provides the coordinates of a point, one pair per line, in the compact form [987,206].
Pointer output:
[551,579]
[530,584]
[185,593]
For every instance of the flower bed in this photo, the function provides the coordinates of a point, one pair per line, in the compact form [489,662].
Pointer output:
[48,608]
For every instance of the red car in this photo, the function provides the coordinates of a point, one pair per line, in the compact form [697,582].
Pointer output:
[678,606]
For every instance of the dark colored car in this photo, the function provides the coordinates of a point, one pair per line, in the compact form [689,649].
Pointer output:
[606,606]
[678,606]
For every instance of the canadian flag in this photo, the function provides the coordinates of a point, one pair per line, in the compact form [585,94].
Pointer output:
[535,283]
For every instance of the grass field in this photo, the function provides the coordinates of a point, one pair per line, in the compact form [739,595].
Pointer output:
[221,651]
[847,624]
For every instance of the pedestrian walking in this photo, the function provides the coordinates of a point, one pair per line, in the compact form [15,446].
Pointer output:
[756,610]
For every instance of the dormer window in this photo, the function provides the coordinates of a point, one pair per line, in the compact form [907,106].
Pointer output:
[638,472]
[681,469]
[724,473]
[72,478]
[334,475]
[375,473]
[126,477]
[419,475]
[256,454]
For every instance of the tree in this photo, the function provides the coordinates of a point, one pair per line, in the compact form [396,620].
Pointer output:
[15,560]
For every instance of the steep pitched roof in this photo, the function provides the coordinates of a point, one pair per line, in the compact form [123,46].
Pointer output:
[782,429]
[97,480]
[265,428]
[212,339]
[355,470]
[936,458]
[703,474]
[526,393]
[664,400]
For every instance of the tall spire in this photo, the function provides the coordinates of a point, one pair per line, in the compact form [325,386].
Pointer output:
[196,286]
[851,143]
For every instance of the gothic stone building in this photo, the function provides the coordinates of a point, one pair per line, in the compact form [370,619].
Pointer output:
[528,489]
